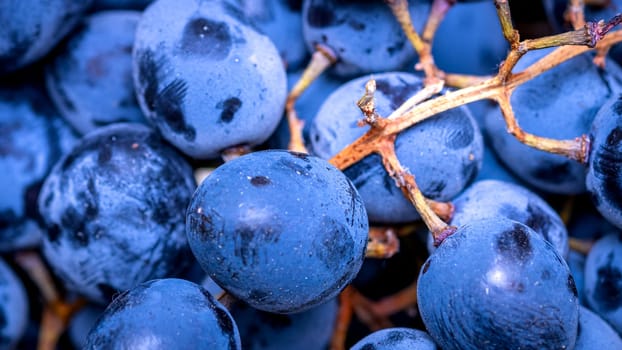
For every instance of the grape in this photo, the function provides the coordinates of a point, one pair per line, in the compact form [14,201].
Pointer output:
[281,20]
[396,339]
[100,5]
[308,330]
[165,314]
[444,153]
[82,322]
[31,28]
[205,78]
[492,198]
[497,284]
[13,309]
[281,231]
[364,35]
[480,42]
[32,138]
[603,279]
[576,264]
[595,333]
[574,91]
[114,209]
[90,80]
[604,175]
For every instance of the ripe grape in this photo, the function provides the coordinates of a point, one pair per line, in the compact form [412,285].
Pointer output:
[165,314]
[13,308]
[444,153]
[496,284]
[90,79]
[279,230]
[205,78]
[114,209]
[397,338]
[595,333]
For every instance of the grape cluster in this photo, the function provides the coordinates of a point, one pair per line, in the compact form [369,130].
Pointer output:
[430,181]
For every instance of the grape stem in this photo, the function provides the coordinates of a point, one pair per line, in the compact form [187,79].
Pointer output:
[423,45]
[382,243]
[381,136]
[344,317]
[321,60]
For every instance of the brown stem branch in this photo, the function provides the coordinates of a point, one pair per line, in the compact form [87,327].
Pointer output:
[505,18]
[344,317]
[574,13]
[320,61]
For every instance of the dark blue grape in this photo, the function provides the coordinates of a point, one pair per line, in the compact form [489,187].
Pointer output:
[576,263]
[603,279]
[497,284]
[364,35]
[444,153]
[572,92]
[205,78]
[82,322]
[283,24]
[479,43]
[114,207]
[31,28]
[90,80]
[13,308]
[493,198]
[308,330]
[594,333]
[397,338]
[165,314]
[604,173]
[32,138]
[281,231]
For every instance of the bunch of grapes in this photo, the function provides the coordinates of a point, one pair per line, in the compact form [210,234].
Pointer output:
[312,174]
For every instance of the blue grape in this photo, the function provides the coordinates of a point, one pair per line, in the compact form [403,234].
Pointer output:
[493,198]
[603,279]
[308,330]
[364,35]
[165,314]
[572,92]
[279,230]
[31,28]
[576,264]
[90,80]
[281,21]
[205,77]
[33,137]
[595,333]
[497,284]
[480,43]
[604,173]
[13,308]
[99,5]
[397,338]
[444,153]
[82,322]
[114,208]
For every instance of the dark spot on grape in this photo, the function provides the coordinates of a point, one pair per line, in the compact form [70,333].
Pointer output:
[148,71]
[169,105]
[617,106]
[74,222]
[546,274]
[53,233]
[397,47]
[461,136]
[7,218]
[607,165]
[207,38]
[226,325]
[207,227]
[608,289]
[395,337]
[426,266]
[250,236]
[260,181]
[229,107]
[107,291]
[435,189]
[399,93]
[300,155]
[368,347]
[299,169]
[356,25]
[294,5]
[321,16]
[18,46]
[514,244]
[469,171]
[552,172]
[335,243]
[572,287]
